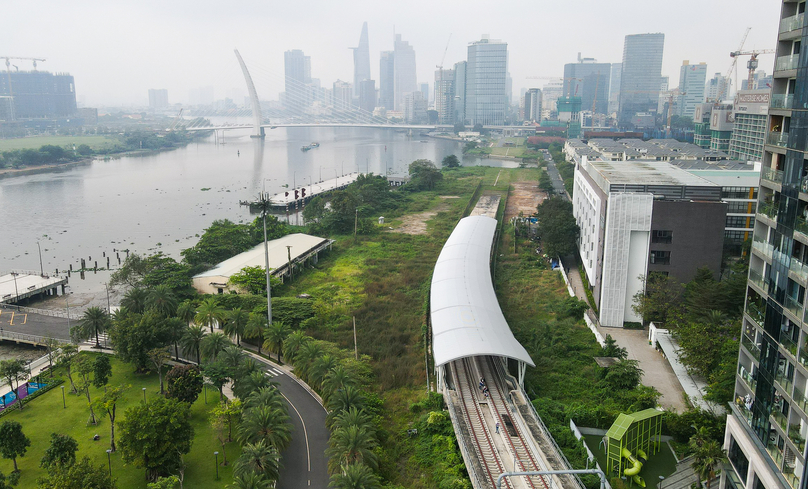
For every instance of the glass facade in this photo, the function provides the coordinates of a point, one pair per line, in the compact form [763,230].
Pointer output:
[486,84]
[641,75]
[747,137]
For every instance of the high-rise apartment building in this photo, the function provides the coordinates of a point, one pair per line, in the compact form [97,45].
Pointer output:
[367,95]
[387,80]
[158,98]
[424,88]
[532,105]
[749,132]
[361,60]
[405,79]
[342,95]
[691,87]
[614,87]
[444,96]
[550,95]
[768,421]
[486,84]
[460,91]
[589,80]
[297,72]
[718,88]
[415,108]
[640,75]
[38,95]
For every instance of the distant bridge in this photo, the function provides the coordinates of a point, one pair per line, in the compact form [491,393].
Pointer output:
[231,127]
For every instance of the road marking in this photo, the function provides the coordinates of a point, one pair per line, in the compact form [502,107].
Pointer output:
[305,432]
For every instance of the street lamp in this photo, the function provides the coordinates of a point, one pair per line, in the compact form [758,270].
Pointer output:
[64,404]
[216,454]
[109,460]
[144,394]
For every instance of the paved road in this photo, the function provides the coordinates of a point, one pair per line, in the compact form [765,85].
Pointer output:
[558,184]
[35,324]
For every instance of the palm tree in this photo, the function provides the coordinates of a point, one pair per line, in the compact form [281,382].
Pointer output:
[176,329]
[353,417]
[351,445]
[251,480]
[344,400]
[245,385]
[192,341]
[265,396]
[320,368]
[267,423]
[135,300]
[256,328]
[213,344]
[705,460]
[232,358]
[276,333]
[186,311]
[209,313]
[259,458]
[336,379]
[235,323]
[355,476]
[293,343]
[305,357]
[162,300]
[94,321]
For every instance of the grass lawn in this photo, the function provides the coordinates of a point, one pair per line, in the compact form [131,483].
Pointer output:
[660,464]
[45,415]
[95,142]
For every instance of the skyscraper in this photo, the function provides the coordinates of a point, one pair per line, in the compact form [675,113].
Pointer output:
[387,80]
[361,60]
[297,72]
[460,91]
[589,80]
[614,87]
[158,97]
[367,95]
[486,84]
[444,95]
[342,95]
[691,87]
[405,80]
[38,95]
[641,72]
[532,105]
[768,421]
[718,88]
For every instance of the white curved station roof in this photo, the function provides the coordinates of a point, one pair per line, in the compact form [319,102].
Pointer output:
[466,318]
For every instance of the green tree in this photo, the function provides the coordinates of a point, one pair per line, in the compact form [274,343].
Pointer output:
[133,335]
[344,400]
[94,321]
[13,371]
[255,328]
[624,375]
[337,379]
[102,371]
[81,474]
[85,368]
[209,314]
[260,458]
[557,227]
[244,385]
[65,361]
[355,476]
[450,161]
[352,445]
[84,150]
[320,369]
[175,329]
[192,341]
[135,300]
[155,434]
[424,175]
[184,383]
[217,375]
[107,404]
[459,127]
[162,299]
[253,280]
[706,459]
[158,357]
[268,395]
[250,480]
[236,323]
[275,335]
[13,442]
[186,312]
[353,417]
[305,357]
[62,451]
[171,482]
[221,420]
[267,423]
[213,344]
[293,343]
[612,349]
[660,300]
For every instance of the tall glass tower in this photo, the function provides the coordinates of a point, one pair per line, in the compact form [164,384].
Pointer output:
[361,60]
[486,82]
[768,421]
[640,76]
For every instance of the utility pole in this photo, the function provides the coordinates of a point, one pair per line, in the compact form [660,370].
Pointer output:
[264,204]
[289,260]
[355,222]
[355,348]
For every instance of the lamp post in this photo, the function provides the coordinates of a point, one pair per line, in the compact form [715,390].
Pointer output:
[41,269]
[216,454]
[144,394]
[109,309]
[109,461]
[64,404]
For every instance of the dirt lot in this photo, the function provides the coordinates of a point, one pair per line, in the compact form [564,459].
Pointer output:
[416,223]
[525,197]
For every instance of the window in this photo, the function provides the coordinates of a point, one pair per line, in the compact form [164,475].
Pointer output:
[662,236]
[739,192]
[736,207]
[738,459]
[660,257]
[738,222]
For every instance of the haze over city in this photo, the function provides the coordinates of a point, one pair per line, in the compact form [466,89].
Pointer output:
[118,50]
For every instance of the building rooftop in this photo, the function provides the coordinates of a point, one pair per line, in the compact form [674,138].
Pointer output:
[636,172]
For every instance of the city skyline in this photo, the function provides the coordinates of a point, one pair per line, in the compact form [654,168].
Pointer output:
[189,47]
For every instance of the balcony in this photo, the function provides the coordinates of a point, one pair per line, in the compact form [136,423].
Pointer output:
[800,400]
[742,409]
[793,305]
[786,383]
[782,101]
[757,278]
[796,438]
[755,312]
[763,248]
[789,345]
[791,23]
[792,478]
[781,419]
[801,226]
[746,376]
[799,268]
[789,62]
[772,175]
[768,209]
[775,452]
[752,347]
[803,358]
[777,138]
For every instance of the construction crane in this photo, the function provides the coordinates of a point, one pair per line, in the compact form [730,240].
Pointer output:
[722,88]
[752,64]
[671,94]
[8,73]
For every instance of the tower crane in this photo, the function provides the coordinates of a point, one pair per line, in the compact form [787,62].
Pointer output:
[8,73]
[721,89]
[752,64]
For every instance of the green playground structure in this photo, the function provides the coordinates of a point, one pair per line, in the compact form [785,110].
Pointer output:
[639,433]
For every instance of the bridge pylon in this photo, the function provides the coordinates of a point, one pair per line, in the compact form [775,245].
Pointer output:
[256,105]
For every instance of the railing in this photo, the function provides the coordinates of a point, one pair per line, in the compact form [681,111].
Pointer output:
[789,62]
[786,383]
[791,23]
[777,138]
[789,345]
[801,400]
[43,312]
[799,268]
[742,410]
[775,452]
[803,359]
[801,226]
[796,438]
[757,278]
[766,249]
[782,101]
[751,346]
[772,175]
[781,420]
[768,209]
[755,313]
[24,338]
[793,479]
[793,305]
[747,377]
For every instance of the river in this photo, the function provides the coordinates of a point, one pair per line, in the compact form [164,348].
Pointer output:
[162,202]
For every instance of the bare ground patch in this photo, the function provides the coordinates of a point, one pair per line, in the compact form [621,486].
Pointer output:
[416,223]
[525,197]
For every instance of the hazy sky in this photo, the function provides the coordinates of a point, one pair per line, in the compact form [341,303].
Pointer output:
[117,50]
